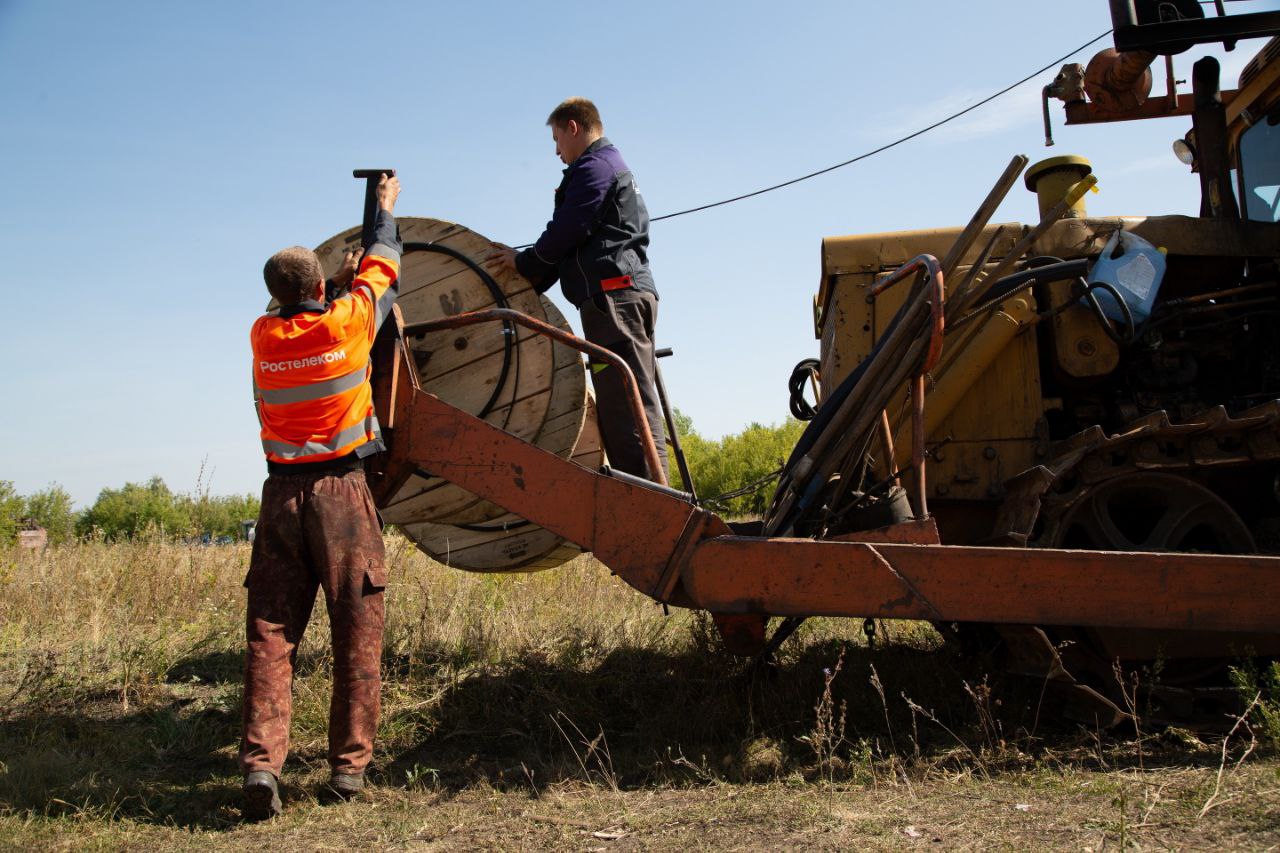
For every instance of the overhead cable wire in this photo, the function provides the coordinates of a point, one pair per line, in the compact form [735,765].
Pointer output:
[892,144]
[937,124]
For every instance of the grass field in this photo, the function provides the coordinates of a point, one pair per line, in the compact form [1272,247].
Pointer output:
[564,710]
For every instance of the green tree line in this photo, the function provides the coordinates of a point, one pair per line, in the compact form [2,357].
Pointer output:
[123,513]
[717,466]
[724,465]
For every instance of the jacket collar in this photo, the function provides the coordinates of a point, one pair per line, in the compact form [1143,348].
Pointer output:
[590,149]
[300,308]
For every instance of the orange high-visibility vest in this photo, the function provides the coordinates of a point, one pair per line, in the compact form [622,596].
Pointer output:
[311,369]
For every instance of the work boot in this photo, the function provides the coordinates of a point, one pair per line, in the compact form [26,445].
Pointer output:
[346,785]
[261,796]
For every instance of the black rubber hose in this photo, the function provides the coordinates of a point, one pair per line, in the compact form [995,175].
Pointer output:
[1130,328]
[801,374]
[508,328]
[831,405]
[1053,271]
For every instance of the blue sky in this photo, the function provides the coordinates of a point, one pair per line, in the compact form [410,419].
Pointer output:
[159,152]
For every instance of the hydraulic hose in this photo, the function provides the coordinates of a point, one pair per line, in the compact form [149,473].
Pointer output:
[805,371]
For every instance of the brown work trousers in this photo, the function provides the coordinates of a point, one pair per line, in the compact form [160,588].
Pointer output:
[623,321]
[318,529]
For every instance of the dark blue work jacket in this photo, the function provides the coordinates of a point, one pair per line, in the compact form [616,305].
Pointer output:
[598,236]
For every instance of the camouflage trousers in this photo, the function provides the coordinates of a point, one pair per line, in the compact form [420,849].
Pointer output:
[314,530]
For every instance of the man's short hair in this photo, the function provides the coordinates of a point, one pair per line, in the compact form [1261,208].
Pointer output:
[291,274]
[580,110]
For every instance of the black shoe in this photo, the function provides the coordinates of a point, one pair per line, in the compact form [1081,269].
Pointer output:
[261,796]
[346,785]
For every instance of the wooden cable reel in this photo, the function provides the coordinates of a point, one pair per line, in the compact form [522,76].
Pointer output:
[511,377]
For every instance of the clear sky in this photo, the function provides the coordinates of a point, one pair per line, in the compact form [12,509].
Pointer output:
[158,152]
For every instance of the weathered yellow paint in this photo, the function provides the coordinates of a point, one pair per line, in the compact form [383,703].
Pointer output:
[1052,179]
[986,394]
[986,401]
[1081,348]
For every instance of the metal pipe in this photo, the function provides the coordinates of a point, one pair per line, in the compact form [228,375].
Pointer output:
[886,438]
[1209,119]
[673,437]
[1217,294]
[1058,211]
[917,445]
[937,309]
[648,484]
[596,352]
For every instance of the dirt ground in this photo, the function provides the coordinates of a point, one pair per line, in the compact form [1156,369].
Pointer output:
[1047,809]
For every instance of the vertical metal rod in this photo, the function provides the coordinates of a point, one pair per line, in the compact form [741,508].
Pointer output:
[886,438]
[673,437]
[917,445]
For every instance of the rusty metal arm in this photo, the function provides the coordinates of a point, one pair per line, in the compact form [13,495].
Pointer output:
[595,351]
[1081,112]
[673,551]
[631,527]
[947,583]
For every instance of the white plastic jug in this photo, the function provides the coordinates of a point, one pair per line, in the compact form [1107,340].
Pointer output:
[1135,273]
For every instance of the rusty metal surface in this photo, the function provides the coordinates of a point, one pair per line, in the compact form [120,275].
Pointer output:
[644,536]
[801,577]
[630,528]
[1118,82]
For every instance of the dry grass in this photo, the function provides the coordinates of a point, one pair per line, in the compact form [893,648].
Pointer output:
[560,709]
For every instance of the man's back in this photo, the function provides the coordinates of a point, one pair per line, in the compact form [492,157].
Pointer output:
[311,369]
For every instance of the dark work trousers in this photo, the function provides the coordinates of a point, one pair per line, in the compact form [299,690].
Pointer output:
[314,530]
[623,321]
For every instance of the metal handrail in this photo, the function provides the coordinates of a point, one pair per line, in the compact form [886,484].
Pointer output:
[595,351]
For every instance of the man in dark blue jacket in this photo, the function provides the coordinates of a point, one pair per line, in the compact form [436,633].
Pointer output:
[596,246]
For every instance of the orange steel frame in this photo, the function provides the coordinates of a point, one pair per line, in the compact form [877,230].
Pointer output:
[678,553]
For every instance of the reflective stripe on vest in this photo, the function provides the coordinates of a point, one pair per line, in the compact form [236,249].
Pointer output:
[314,448]
[314,390]
[381,307]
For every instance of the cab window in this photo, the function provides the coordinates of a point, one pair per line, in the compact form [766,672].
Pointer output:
[1260,169]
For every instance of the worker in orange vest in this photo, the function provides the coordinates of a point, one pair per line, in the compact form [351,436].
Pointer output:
[318,525]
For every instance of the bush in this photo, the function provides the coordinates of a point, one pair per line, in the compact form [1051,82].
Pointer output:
[137,508]
[153,507]
[720,466]
[1261,680]
[50,508]
[11,512]
[221,515]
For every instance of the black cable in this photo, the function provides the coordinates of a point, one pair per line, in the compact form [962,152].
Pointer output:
[803,372]
[884,147]
[741,492]
[508,328]
[889,145]
[1130,328]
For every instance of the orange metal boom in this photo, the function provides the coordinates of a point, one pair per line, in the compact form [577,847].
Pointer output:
[675,552]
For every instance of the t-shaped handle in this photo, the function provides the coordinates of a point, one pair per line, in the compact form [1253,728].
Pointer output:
[371,178]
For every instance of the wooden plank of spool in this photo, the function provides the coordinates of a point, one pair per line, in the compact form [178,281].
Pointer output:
[512,545]
[565,414]
[463,367]
[423,499]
